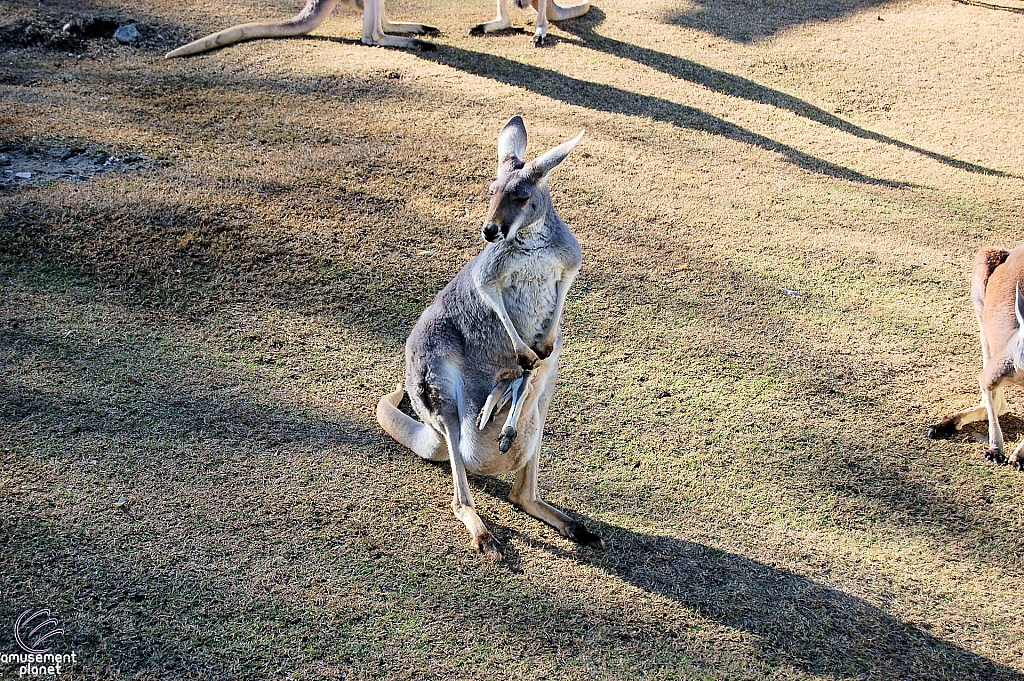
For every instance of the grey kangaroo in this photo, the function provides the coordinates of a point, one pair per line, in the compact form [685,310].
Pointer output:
[490,340]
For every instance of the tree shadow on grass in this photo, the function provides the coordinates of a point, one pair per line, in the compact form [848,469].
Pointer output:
[597,97]
[794,620]
[735,86]
[747,21]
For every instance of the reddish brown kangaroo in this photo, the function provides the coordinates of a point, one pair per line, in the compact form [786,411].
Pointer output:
[995,290]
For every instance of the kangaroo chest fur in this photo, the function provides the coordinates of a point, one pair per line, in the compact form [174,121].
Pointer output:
[530,293]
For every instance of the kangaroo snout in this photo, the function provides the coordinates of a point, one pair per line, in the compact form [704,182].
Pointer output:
[492,231]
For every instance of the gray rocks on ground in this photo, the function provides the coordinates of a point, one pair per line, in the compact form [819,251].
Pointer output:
[126,34]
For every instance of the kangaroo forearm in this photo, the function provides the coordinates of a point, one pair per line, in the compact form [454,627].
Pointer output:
[494,301]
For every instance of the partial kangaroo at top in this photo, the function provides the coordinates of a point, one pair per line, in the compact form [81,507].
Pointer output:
[377,29]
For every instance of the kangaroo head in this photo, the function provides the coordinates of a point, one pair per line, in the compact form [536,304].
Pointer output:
[520,197]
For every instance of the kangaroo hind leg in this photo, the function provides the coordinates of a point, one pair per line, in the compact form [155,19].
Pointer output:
[525,495]
[463,505]
[955,422]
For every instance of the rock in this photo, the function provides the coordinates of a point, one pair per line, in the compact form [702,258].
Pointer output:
[126,34]
[66,154]
[5,160]
[23,176]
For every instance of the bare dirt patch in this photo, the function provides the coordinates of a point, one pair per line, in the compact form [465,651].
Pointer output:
[32,166]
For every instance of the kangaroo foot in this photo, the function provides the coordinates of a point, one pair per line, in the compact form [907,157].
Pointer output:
[486,544]
[996,456]
[577,532]
[944,428]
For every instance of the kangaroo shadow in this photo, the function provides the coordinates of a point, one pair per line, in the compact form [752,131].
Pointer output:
[793,620]
[747,21]
[735,86]
[611,99]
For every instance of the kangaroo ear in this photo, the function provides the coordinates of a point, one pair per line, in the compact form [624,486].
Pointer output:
[549,160]
[512,141]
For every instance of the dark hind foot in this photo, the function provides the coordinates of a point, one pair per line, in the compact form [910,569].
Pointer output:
[995,456]
[487,545]
[1017,462]
[511,30]
[505,439]
[430,30]
[943,429]
[424,46]
[578,533]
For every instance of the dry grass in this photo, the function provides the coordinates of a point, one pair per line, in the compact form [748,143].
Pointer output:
[207,337]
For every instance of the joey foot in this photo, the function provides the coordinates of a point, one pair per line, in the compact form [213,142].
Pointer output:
[508,434]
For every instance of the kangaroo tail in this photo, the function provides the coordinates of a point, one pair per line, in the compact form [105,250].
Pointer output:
[559,13]
[419,437]
[311,16]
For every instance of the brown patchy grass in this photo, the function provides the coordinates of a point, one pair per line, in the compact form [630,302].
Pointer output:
[207,338]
